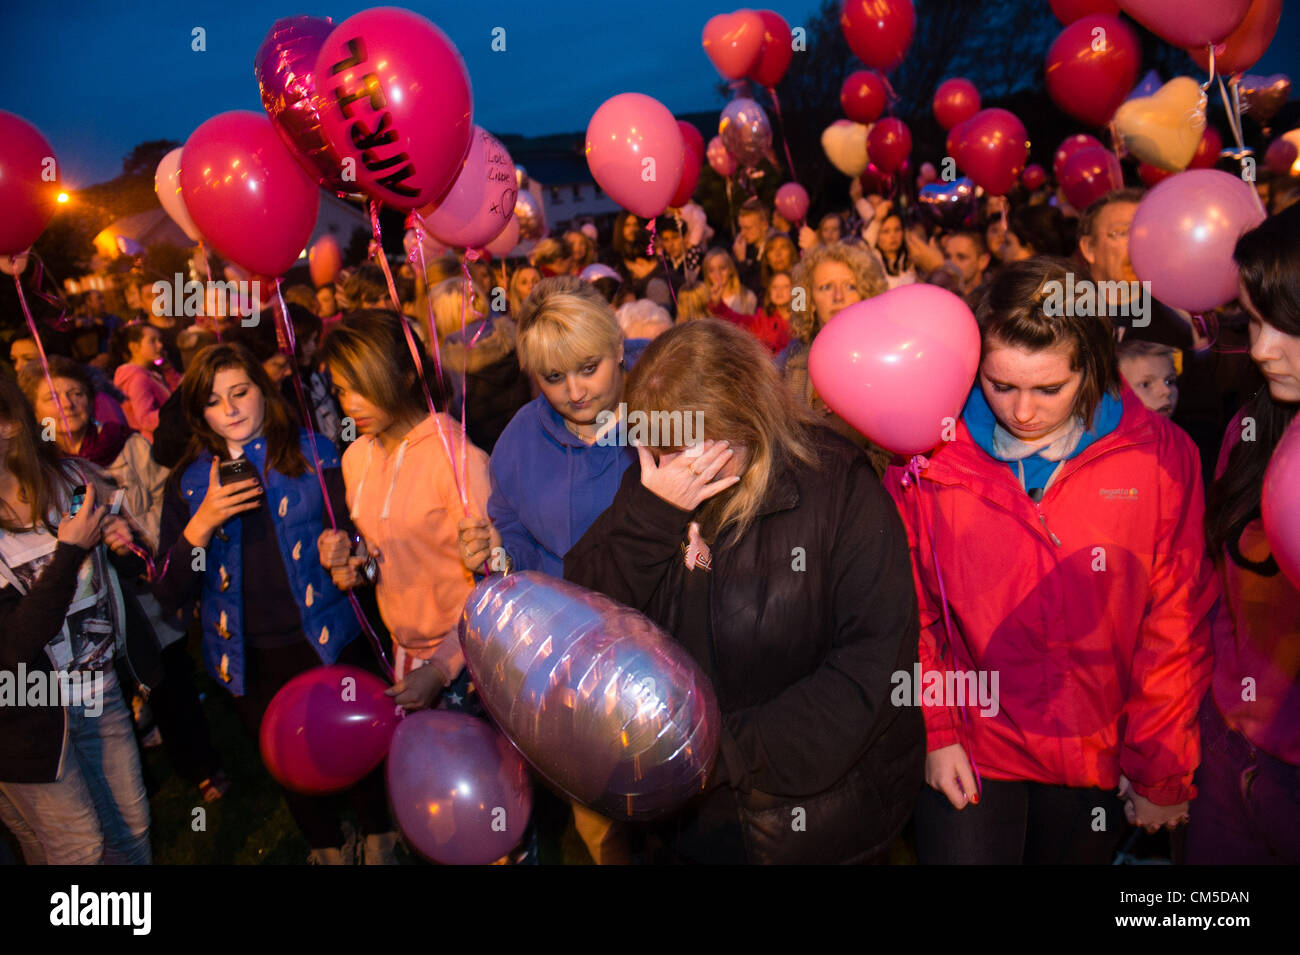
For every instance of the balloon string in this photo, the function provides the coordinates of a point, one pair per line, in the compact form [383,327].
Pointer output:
[731,219]
[207,268]
[466,292]
[667,277]
[418,225]
[288,346]
[785,139]
[40,347]
[413,347]
[915,466]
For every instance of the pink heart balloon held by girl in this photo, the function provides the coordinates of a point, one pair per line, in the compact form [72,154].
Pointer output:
[634,151]
[1280,503]
[27,198]
[395,100]
[899,366]
[482,199]
[602,702]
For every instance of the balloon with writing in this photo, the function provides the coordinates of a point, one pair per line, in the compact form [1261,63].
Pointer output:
[481,201]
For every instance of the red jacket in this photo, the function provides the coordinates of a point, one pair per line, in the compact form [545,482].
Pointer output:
[1101,642]
[772,330]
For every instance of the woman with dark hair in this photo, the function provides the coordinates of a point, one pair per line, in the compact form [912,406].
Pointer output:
[1248,808]
[1036,230]
[1066,650]
[246,551]
[142,375]
[767,548]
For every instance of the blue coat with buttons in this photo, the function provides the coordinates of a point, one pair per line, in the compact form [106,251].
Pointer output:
[298,509]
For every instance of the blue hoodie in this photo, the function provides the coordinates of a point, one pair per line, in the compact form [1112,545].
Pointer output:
[980,421]
[548,485]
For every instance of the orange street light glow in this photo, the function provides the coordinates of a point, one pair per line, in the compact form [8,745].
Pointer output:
[63,197]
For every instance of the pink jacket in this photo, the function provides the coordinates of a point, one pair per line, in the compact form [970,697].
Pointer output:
[146,392]
[1093,607]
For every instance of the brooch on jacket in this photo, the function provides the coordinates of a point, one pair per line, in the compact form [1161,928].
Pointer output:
[696,551]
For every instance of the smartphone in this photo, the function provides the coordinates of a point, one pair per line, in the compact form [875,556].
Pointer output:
[78,498]
[232,472]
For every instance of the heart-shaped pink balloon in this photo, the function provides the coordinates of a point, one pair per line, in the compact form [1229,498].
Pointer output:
[898,367]
[733,41]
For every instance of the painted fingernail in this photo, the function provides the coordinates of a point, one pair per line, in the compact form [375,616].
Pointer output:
[975,800]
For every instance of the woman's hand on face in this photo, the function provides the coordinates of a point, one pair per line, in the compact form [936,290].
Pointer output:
[478,540]
[84,528]
[685,479]
[220,504]
[948,770]
[418,689]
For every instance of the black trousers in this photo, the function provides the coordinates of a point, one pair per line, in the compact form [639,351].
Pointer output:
[318,817]
[1020,823]
[179,715]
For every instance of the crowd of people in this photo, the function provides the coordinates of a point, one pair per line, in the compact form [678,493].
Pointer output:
[1088,539]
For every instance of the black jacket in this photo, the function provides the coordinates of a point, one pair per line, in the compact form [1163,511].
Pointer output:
[811,612]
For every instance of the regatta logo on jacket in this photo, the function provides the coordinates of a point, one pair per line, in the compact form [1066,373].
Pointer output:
[103,908]
[946,688]
[1118,493]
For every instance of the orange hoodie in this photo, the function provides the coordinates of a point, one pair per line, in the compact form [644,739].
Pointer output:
[406,505]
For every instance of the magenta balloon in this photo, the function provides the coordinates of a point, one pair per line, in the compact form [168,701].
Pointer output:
[1183,234]
[992,147]
[1069,146]
[1067,11]
[897,365]
[634,151]
[792,201]
[955,101]
[1089,174]
[888,144]
[506,240]
[482,199]
[460,792]
[395,99]
[27,201]
[602,702]
[285,67]
[1188,22]
[692,160]
[327,728]
[246,194]
[1033,177]
[720,161]
[1280,503]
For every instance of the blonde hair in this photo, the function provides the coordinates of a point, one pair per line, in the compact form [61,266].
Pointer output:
[732,288]
[513,296]
[726,375]
[868,276]
[563,323]
[549,251]
[692,302]
[447,296]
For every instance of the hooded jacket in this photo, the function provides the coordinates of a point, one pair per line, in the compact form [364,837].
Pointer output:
[495,387]
[1092,607]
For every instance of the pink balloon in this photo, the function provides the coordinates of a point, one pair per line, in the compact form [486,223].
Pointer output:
[928,174]
[1033,177]
[324,260]
[888,144]
[1183,234]
[1092,66]
[692,160]
[1067,11]
[246,194]
[396,101]
[955,101]
[774,59]
[792,201]
[720,161]
[991,148]
[167,184]
[634,151]
[481,200]
[327,728]
[461,793]
[27,200]
[505,243]
[1280,503]
[895,366]
[1088,175]
[1246,44]
[1188,22]
[734,42]
[1069,146]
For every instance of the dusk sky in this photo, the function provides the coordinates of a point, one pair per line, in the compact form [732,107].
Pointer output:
[97,77]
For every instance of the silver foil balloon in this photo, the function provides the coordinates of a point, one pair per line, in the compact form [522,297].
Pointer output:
[947,203]
[532,221]
[745,131]
[602,702]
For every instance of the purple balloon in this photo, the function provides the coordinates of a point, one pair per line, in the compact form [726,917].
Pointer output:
[746,132]
[1183,234]
[1147,86]
[602,702]
[461,794]
[285,67]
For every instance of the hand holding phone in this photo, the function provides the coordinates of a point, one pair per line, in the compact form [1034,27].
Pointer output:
[81,526]
[223,501]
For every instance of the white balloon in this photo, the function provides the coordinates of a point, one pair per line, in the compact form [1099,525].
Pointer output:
[167,183]
[845,145]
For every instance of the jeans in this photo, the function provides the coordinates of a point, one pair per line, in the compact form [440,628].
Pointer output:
[96,811]
[1247,806]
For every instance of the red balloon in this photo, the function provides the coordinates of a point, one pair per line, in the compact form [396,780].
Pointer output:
[27,199]
[888,144]
[246,193]
[324,260]
[692,160]
[1089,76]
[734,42]
[1067,11]
[1188,23]
[953,140]
[1150,175]
[1089,174]
[327,728]
[863,96]
[955,101]
[1207,151]
[1069,146]
[774,58]
[879,31]
[1280,157]
[396,101]
[875,181]
[1033,177]
[992,148]
[1246,44]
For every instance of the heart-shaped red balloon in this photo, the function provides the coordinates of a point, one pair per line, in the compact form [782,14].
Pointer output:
[733,42]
